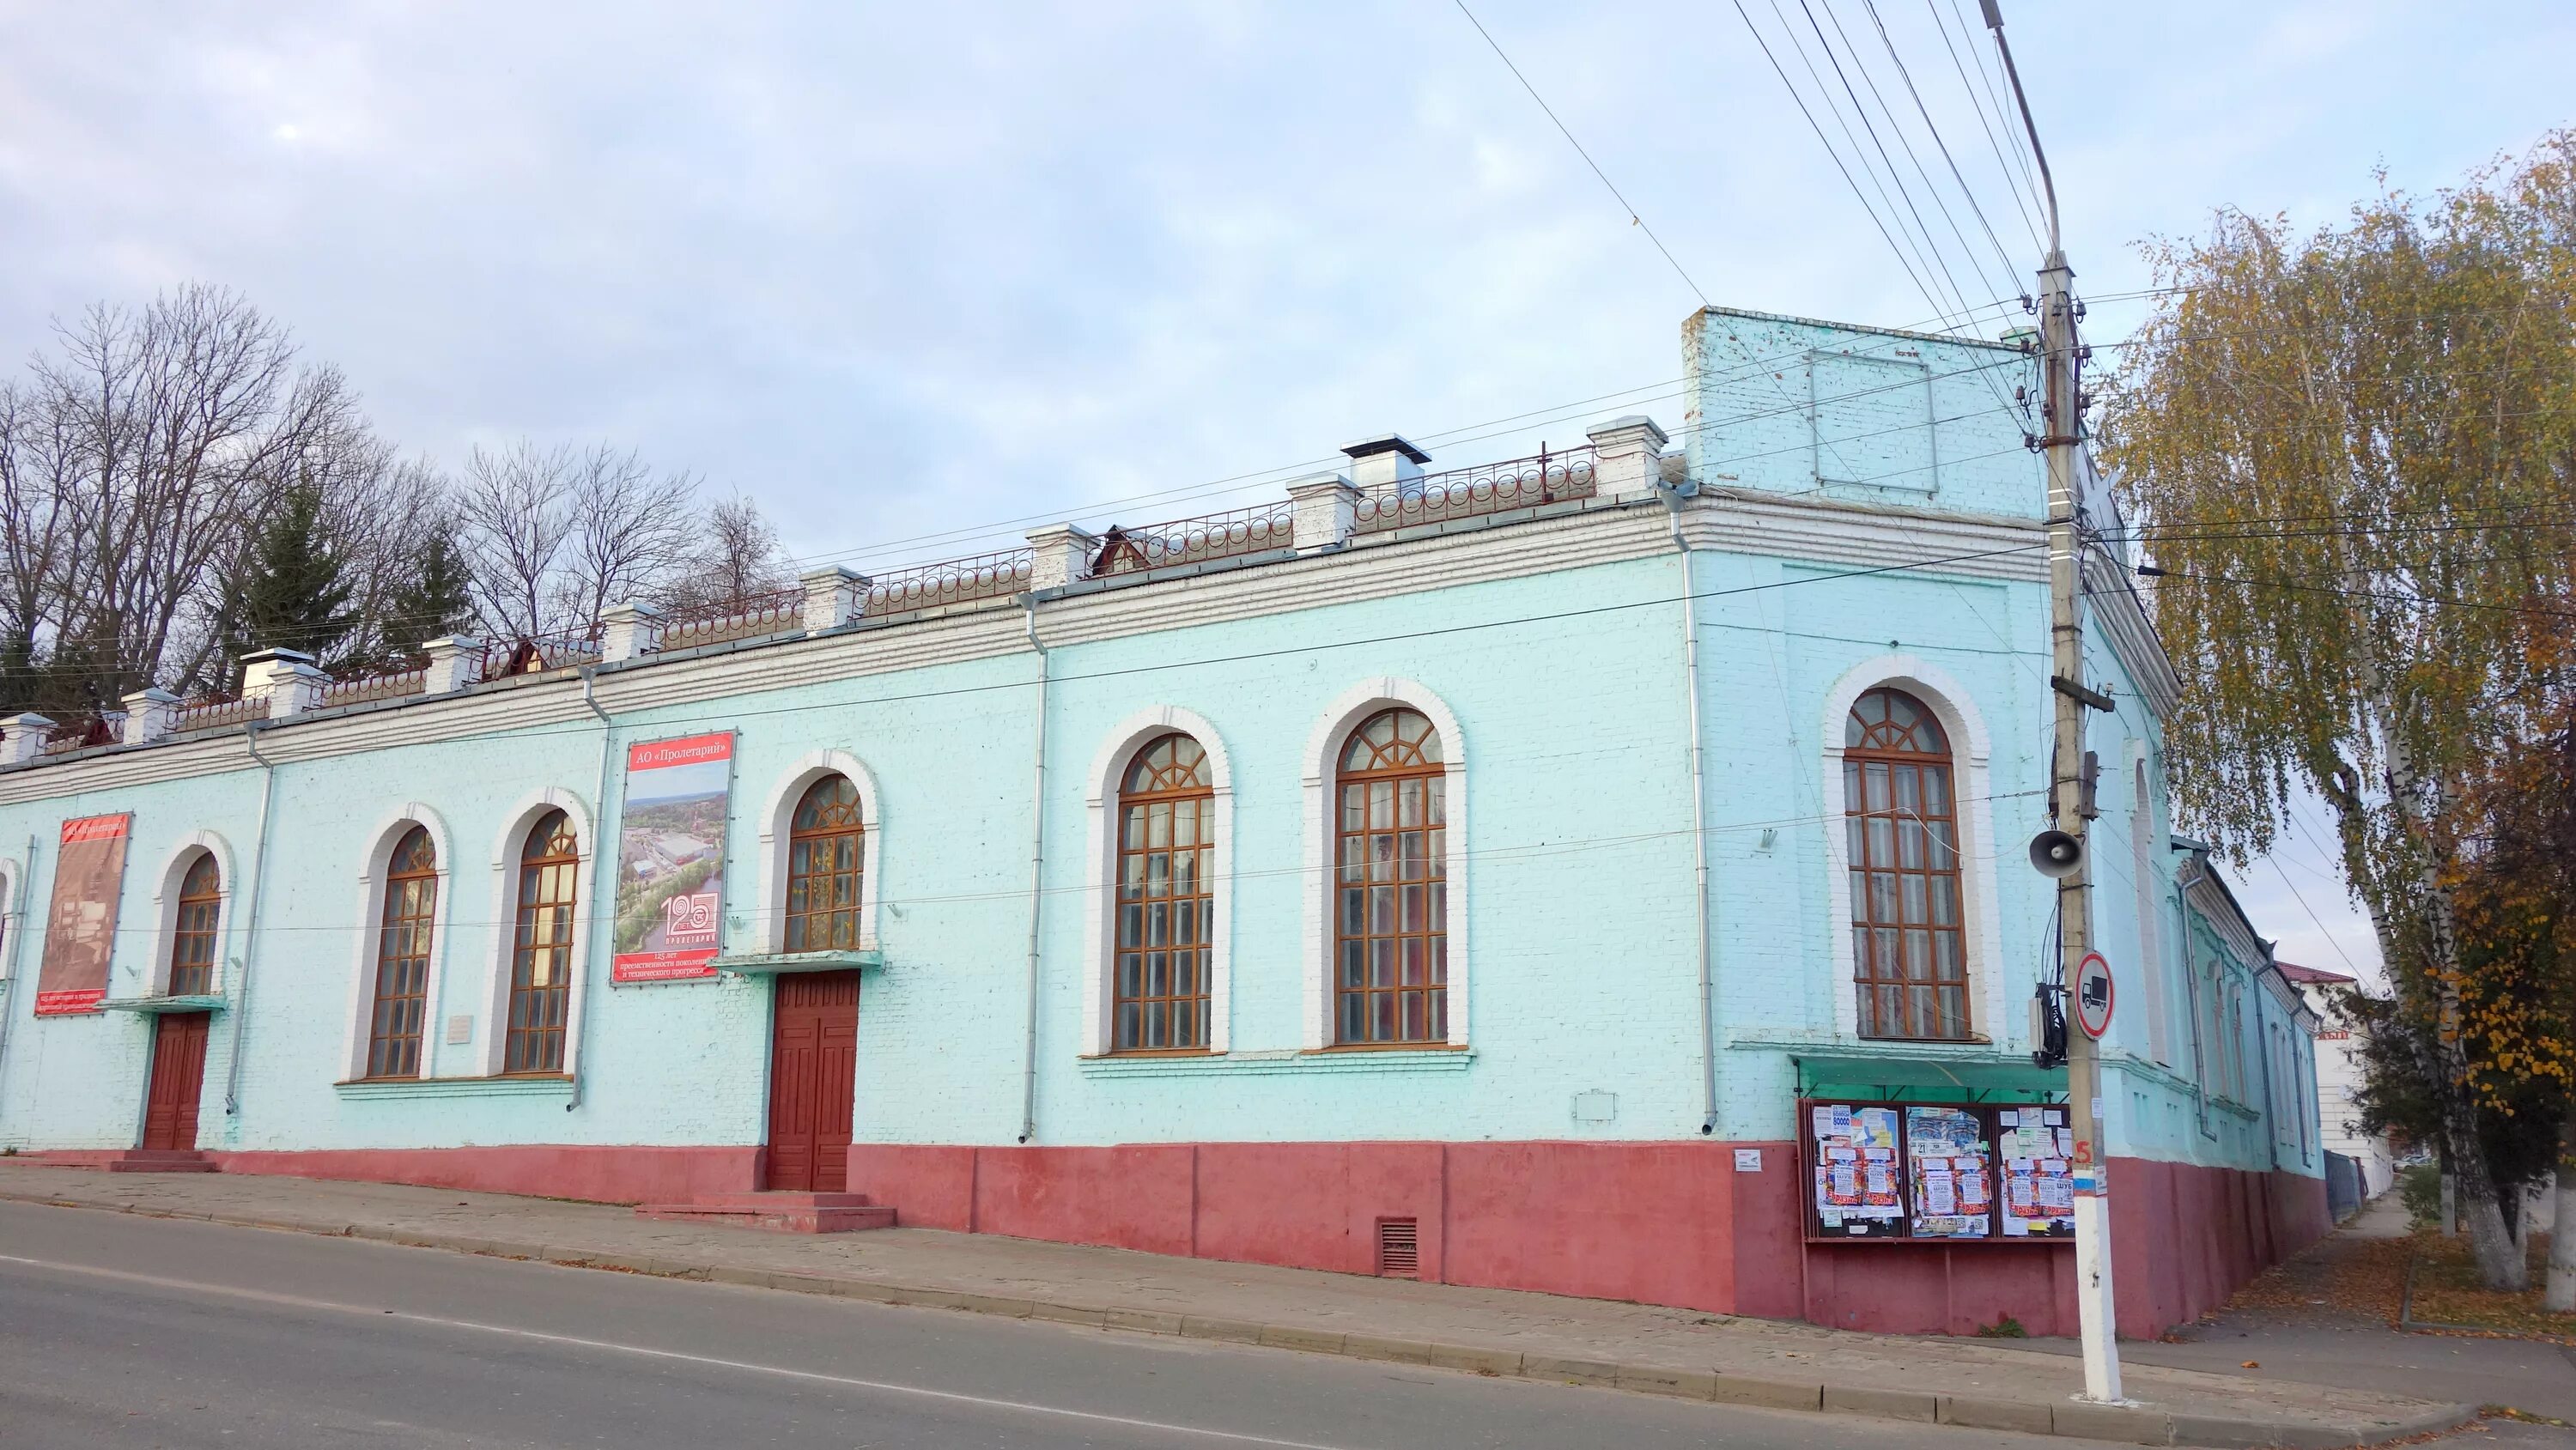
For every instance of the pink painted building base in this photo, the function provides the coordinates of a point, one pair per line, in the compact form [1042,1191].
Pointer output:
[590,1172]
[1656,1223]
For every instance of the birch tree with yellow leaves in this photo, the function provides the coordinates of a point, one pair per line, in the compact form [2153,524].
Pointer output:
[2351,455]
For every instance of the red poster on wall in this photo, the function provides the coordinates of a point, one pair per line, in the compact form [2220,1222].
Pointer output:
[670,859]
[80,930]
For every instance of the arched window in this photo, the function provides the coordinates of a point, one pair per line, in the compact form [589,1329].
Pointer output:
[1166,899]
[1391,909]
[541,957]
[402,957]
[1909,951]
[823,868]
[192,936]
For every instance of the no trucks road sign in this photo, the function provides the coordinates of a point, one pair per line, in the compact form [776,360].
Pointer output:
[2093,995]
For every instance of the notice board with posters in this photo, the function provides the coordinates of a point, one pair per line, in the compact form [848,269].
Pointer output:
[1948,1172]
[670,858]
[80,927]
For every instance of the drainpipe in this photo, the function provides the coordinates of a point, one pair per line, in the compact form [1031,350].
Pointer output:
[14,926]
[1037,881]
[1672,495]
[598,829]
[250,918]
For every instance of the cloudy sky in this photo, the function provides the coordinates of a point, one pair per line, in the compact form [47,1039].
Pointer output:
[914,276]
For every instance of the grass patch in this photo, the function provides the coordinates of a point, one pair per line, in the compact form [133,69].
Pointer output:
[2006,1327]
[2447,1292]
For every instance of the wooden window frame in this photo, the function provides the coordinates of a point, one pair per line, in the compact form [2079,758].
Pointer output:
[1433,828]
[1126,911]
[391,1051]
[540,1013]
[196,922]
[852,830]
[1869,976]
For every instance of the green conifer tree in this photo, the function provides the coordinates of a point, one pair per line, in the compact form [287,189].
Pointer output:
[292,589]
[436,598]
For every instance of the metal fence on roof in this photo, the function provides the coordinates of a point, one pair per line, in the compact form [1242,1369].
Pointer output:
[1490,488]
[950,581]
[1224,535]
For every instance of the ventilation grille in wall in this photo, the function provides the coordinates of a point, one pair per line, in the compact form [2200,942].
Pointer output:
[1399,1255]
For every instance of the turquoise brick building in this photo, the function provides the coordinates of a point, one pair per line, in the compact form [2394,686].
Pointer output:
[1501,875]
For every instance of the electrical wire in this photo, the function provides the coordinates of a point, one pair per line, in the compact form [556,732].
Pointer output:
[1491,855]
[2019,204]
[2433,601]
[1634,218]
[1906,144]
[1663,601]
[1928,125]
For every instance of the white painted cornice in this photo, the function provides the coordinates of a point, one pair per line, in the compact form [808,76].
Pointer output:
[1448,555]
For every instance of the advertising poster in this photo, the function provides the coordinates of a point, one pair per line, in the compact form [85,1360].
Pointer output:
[1856,1171]
[80,930]
[2039,1179]
[670,858]
[1947,1156]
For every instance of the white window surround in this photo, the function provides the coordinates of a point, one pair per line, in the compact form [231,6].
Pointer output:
[1100,920]
[1970,747]
[505,919]
[1323,765]
[165,910]
[371,896]
[777,819]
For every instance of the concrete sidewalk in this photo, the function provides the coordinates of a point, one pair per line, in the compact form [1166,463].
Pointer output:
[2309,1327]
[1488,1331]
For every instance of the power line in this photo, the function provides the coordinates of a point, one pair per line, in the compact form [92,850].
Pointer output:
[2301,897]
[2422,600]
[1634,218]
[1931,188]
[1979,112]
[1539,850]
[1661,601]
[1754,368]
[1918,277]
[2003,114]
[1928,125]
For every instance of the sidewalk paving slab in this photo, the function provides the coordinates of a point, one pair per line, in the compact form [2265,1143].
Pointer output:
[1635,1347]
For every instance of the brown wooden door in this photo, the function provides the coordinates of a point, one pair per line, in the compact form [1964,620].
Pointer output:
[178,1080]
[813,1076]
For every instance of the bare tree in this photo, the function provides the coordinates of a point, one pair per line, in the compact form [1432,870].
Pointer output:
[555,536]
[35,536]
[734,560]
[149,450]
[177,424]
[631,533]
[511,516]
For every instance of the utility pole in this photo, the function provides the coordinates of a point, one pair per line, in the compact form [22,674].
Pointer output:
[2062,419]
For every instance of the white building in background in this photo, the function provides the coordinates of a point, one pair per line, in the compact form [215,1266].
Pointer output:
[2339,1075]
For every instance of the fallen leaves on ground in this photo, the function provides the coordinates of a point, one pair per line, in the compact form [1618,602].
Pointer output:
[2338,1278]
[2447,1292]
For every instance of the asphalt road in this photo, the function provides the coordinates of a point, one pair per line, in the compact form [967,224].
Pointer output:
[124,1331]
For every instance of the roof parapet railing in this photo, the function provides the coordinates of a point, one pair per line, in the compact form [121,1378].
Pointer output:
[1255,529]
[746,616]
[1489,488]
[377,680]
[540,653]
[950,581]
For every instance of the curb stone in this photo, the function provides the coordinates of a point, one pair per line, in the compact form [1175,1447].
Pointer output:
[2130,1424]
